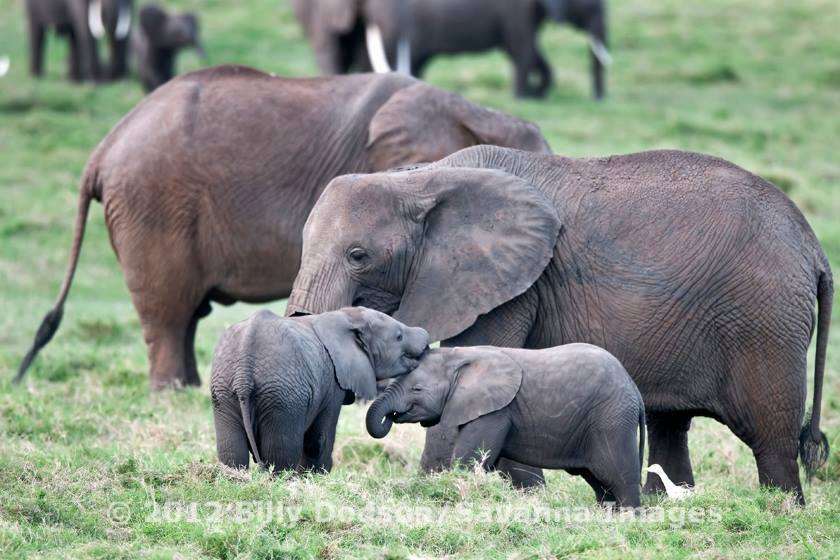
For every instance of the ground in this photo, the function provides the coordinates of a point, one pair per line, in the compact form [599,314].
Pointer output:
[94,466]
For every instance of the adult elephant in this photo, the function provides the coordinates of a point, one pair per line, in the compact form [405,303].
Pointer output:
[337,32]
[208,181]
[82,22]
[699,276]
[407,34]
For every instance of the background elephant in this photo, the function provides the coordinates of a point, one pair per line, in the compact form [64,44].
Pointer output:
[278,384]
[82,22]
[238,158]
[336,31]
[572,407]
[700,277]
[157,40]
[412,32]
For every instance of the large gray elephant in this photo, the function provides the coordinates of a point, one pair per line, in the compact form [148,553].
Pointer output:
[278,384]
[407,34]
[208,181]
[572,407]
[83,22]
[700,277]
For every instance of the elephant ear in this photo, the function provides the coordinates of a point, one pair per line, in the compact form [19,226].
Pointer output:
[337,15]
[341,335]
[485,382]
[153,23]
[488,235]
[421,123]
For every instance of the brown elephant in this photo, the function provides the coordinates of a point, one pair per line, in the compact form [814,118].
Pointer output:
[208,181]
[700,277]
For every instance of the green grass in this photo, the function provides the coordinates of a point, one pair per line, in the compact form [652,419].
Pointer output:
[83,442]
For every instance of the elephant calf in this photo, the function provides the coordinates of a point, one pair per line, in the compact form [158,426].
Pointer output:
[278,384]
[571,407]
[157,41]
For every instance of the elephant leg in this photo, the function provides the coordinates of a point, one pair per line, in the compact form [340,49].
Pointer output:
[280,434]
[88,58]
[544,75]
[319,440]
[602,494]
[119,57]
[521,476]
[768,419]
[231,438]
[668,447]
[521,45]
[437,456]
[168,322]
[437,452]
[74,60]
[37,35]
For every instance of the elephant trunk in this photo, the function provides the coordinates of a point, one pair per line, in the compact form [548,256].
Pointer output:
[319,289]
[379,417]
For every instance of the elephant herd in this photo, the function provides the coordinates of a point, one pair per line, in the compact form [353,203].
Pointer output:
[346,35]
[154,41]
[700,283]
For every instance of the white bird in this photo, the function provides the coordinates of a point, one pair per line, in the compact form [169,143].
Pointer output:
[5,62]
[674,492]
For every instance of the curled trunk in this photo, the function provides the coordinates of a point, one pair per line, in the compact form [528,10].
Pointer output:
[380,414]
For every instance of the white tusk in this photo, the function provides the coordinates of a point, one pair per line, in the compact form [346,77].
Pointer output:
[404,56]
[5,63]
[97,28]
[376,49]
[600,51]
[123,22]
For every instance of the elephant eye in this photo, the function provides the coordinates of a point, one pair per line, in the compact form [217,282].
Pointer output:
[357,256]
[399,337]
[416,389]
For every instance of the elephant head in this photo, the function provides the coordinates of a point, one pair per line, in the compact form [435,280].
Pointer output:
[452,386]
[422,124]
[170,31]
[589,16]
[366,345]
[435,246]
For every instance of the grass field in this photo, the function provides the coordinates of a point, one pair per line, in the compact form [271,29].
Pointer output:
[94,466]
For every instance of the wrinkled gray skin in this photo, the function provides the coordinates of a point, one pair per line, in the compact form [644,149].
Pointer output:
[157,40]
[207,183]
[700,277]
[70,18]
[572,407]
[278,384]
[336,29]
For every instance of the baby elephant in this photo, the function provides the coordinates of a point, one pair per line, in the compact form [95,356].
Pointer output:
[571,407]
[278,384]
[157,40]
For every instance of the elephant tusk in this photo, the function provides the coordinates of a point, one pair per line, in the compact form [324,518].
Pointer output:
[404,56]
[376,49]
[97,27]
[5,63]
[600,51]
[123,22]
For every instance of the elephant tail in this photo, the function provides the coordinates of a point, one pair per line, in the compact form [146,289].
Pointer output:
[247,421]
[813,444]
[642,432]
[50,322]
